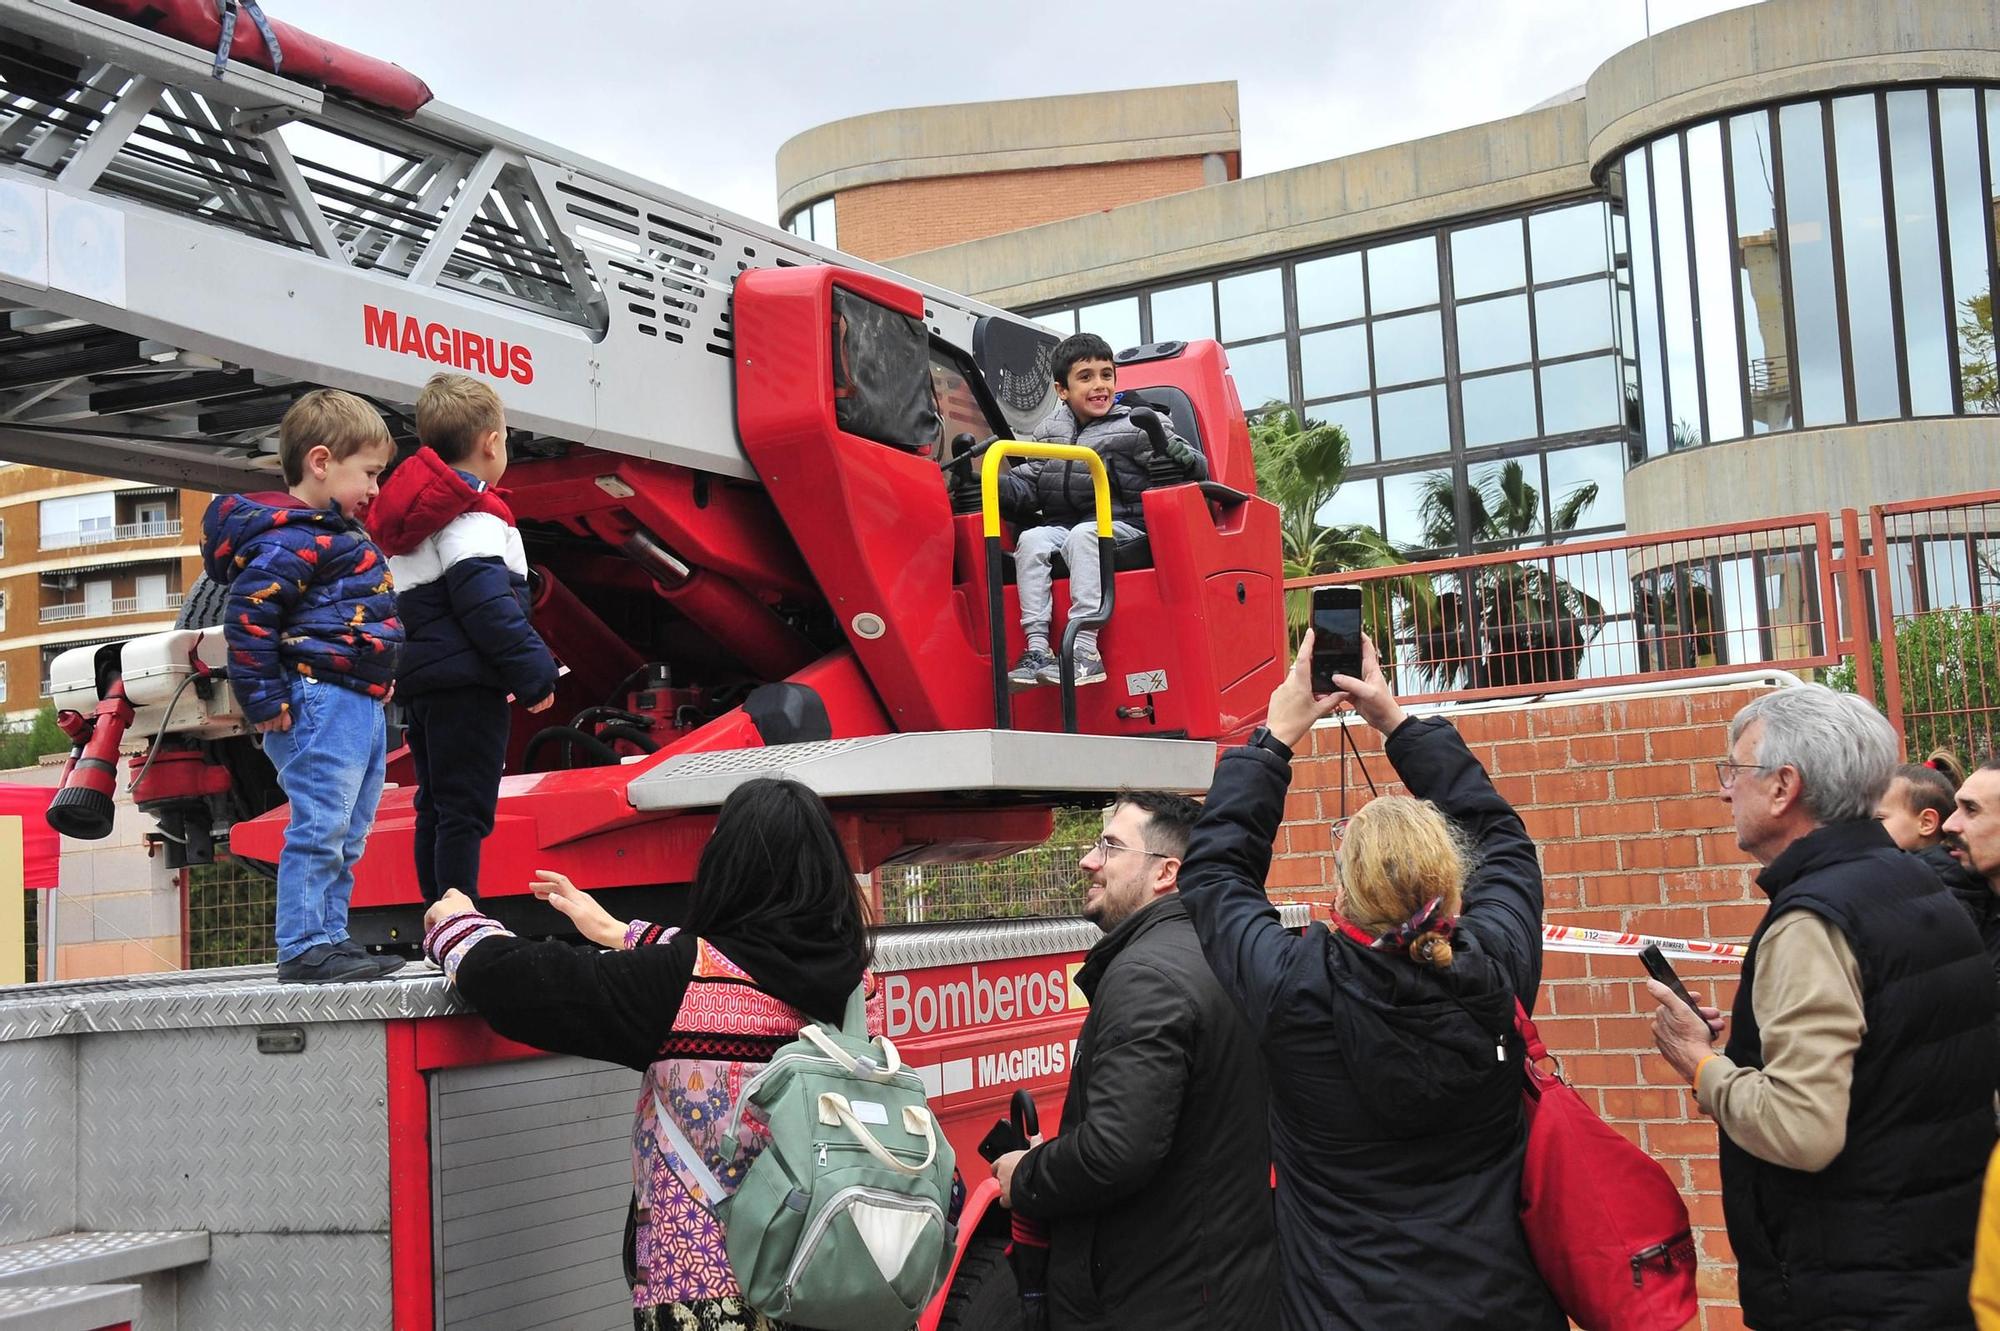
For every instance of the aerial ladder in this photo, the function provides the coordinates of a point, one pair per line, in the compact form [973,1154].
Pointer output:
[755,478]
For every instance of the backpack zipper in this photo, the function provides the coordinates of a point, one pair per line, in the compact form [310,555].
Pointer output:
[834,1206]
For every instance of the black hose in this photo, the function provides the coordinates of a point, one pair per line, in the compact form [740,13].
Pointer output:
[625,684]
[571,738]
[591,715]
[631,735]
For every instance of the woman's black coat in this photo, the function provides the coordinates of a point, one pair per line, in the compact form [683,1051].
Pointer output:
[1396,1120]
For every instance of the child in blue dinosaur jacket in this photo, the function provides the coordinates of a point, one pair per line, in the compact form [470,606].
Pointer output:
[462,589]
[313,641]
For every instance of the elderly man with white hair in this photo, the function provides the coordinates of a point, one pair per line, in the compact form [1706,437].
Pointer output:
[1854,1098]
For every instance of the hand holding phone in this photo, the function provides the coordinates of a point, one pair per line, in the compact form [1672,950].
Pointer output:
[1657,966]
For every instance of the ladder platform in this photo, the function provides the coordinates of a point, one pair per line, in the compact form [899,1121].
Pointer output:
[1028,763]
[100,1257]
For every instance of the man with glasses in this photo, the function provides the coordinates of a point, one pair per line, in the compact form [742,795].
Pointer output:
[1854,1098]
[1157,1191]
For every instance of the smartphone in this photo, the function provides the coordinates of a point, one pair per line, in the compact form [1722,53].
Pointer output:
[1003,1137]
[1657,966]
[1336,625]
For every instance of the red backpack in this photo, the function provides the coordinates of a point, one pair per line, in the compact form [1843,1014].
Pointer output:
[1606,1226]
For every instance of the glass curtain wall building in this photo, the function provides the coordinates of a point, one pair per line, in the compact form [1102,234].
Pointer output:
[1815,263]
[1446,356]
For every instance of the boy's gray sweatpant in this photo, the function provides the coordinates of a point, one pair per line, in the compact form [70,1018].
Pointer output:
[1033,550]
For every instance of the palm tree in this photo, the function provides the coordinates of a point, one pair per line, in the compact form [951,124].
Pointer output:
[1300,466]
[1508,623]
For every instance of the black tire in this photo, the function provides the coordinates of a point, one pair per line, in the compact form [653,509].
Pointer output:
[983,1295]
[202,607]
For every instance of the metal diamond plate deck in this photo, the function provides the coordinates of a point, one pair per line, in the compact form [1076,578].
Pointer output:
[37,1139]
[68,1307]
[200,1131]
[236,996]
[99,1257]
[919,947]
[948,762]
[290,1282]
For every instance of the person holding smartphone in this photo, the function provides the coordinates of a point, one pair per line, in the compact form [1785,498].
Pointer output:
[1389,1043]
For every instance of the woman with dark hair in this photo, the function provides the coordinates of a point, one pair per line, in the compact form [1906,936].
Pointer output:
[1395,1073]
[775,937]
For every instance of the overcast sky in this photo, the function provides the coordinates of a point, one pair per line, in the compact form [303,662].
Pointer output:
[698,96]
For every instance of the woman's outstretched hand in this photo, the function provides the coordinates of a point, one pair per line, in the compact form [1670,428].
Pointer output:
[1370,695]
[591,920]
[1293,708]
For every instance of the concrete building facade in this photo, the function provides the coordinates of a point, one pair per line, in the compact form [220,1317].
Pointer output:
[85,560]
[1745,271]
[894,183]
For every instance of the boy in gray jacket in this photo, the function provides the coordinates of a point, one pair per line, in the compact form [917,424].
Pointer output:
[1054,502]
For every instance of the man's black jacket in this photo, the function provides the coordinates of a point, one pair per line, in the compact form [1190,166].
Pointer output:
[1158,1189]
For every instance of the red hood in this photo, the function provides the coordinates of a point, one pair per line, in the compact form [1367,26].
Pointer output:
[421,497]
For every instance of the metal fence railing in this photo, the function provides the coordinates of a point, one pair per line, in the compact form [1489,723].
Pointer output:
[1550,618]
[231,912]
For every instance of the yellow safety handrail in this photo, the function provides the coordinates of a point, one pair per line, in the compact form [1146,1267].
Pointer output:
[997,452]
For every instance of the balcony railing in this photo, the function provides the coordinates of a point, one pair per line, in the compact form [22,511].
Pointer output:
[124,531]
[121,605]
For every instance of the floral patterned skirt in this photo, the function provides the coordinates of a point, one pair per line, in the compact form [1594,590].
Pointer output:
[703,1315]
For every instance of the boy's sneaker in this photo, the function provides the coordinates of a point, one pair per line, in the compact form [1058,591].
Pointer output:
[1089,668]
[386,963]
[1033,668]
[325,963]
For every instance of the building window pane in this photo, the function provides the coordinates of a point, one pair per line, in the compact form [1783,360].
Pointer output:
[1183,313]
[1356,415]
[1488,258]
[1116,321]
[1329,290]
[1568,242]
[1573,319]
[1871,324]
[1334,361]
[1354,504]
[1060,322]
[1571,469]
[1645,292]
[1492,333]
[1965,209]
[1498,408]
[1760,277]
[1253,304]
[1715,283]
[1809,242]
[1580,395]
[1413,422]
[1926,333]
[1408,349]
[1403,276]
[1676,296]
[1404,520]
[1261,374]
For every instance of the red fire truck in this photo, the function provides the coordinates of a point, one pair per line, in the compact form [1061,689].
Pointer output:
[756,480]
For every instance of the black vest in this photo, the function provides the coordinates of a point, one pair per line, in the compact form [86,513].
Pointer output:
[1882,1237]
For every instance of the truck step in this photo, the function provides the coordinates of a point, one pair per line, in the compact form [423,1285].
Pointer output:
[1027,763]
[100,1257]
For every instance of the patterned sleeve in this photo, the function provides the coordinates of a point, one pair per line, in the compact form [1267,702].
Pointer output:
[644,933]
[448,941]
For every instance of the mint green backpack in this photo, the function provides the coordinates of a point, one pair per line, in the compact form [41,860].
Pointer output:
[840,1223]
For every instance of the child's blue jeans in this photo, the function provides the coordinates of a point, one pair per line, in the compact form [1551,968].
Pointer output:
[330,765]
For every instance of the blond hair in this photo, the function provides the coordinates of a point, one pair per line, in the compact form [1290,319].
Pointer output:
[456,411]
[342,422]
[1397,855]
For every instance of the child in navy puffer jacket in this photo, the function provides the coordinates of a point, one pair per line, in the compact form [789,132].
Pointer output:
[313,641]
[462,580]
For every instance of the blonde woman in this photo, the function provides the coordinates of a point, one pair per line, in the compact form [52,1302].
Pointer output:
[1395,1073]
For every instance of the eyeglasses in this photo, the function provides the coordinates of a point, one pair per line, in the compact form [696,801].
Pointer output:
[1109,848]
[1725,773]
[1340,828]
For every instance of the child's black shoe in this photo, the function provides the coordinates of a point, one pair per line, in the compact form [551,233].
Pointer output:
[325,963]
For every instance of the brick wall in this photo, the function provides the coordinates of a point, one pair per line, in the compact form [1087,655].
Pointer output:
[1621,797]
[900,217]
